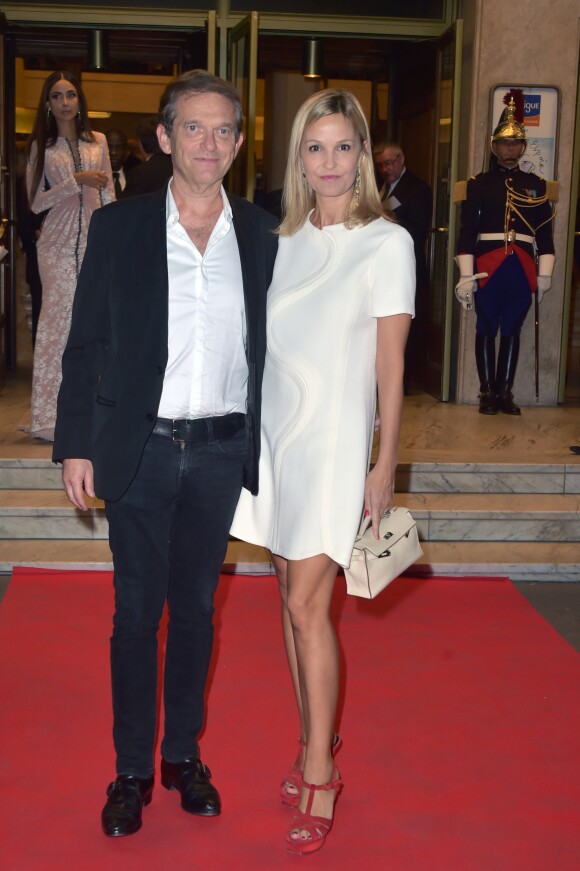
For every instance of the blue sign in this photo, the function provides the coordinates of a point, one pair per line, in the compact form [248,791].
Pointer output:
[532,103]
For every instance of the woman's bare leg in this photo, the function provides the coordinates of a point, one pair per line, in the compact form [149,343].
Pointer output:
[281,567]
[310,583]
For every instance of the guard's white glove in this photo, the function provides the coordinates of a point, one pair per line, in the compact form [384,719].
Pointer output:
[467,284]
[544,284]
[464,290]
[545,269]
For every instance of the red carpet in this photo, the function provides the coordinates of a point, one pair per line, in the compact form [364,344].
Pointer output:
[461,725]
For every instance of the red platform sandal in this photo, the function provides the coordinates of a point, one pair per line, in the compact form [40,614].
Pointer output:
[294,777]
[308,833]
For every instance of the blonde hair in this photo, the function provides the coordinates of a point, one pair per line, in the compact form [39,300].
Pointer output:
[298,198]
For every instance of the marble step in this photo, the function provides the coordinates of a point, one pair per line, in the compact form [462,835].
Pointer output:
[425,477]
[38,514]
[32,474]
[483,477]
[529,561]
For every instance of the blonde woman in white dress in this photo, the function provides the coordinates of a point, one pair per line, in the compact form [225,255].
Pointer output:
[68,173]
[339,310]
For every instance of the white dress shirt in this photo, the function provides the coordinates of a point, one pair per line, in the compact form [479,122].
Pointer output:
[207,370]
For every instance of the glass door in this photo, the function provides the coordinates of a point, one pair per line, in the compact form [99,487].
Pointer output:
[212,43]
[243,73]
[7,224]
[442,243]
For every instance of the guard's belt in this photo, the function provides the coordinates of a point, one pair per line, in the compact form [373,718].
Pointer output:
[500,237]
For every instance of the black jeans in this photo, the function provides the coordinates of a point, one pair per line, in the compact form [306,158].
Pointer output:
[168,535]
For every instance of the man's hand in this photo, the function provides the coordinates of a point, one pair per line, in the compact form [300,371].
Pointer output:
[77,477]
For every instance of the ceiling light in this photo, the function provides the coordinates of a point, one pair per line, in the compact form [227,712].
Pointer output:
[311,68]
[98,50]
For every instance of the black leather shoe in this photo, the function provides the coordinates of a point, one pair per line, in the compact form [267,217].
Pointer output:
[575,449]
[127,796]
[191,778]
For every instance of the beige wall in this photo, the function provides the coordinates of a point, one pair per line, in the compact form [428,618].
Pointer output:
[534,42]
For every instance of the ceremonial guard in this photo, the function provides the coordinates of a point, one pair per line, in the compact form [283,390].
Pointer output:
[506,231]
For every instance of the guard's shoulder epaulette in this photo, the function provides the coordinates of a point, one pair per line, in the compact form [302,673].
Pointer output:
[552,190]
[459,191]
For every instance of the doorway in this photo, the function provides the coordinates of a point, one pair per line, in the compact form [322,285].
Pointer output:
[409,90]
[403,84]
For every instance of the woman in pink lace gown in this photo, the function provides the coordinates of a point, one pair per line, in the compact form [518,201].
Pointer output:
[68,173]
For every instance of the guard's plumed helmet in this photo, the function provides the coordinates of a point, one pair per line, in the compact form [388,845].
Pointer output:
[510,124]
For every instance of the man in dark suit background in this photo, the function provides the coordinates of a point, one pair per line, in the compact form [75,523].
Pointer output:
[405,196]
[159,414]
[156,169]
[409,200]
[122,161]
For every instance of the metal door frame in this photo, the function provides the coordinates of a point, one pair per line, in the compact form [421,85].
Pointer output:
[569,265]
[246,29]
[7,208]
[455,32]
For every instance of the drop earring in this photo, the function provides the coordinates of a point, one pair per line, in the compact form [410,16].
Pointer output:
[48,114]
[357,188]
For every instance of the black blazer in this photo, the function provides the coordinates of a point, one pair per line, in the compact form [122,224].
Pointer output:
[149,176]
[115,358]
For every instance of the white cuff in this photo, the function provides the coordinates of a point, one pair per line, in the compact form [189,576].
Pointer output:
[546,264]
[465,264]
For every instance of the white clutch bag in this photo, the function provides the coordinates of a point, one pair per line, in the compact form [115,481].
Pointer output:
[375,562]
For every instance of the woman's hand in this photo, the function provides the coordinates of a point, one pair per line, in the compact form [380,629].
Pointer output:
[96,179]
[379,492]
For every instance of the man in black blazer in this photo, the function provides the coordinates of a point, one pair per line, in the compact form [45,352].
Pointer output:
[122,161]
[159,414]
[409,200]
[156,169]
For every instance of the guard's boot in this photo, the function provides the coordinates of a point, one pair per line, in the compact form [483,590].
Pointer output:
[485,359]
[507,361]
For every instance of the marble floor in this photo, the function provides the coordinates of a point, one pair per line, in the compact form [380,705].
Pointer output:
[431,432]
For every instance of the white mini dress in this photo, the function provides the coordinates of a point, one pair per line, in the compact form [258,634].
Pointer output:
[319,391]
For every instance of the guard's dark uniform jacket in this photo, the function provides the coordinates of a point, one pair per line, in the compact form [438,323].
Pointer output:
[487,209]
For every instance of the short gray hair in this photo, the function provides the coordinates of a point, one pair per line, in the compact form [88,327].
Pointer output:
[197,82]
[379,147]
